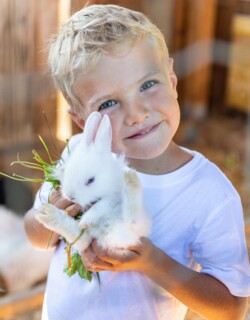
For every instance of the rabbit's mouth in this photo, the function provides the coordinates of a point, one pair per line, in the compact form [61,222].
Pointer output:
[89,205]
[85,209]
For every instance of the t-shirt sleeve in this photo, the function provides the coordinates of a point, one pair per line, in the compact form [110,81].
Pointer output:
[42,195]
[220,247]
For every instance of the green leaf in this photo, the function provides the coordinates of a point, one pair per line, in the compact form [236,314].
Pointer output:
[46,167]
[77,266]
[46,149]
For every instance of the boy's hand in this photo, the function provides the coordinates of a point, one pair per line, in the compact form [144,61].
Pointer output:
[138,258]
[201,292]
[57,200]
[37,233]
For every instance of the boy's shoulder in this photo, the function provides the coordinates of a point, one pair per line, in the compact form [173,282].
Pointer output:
[211,175]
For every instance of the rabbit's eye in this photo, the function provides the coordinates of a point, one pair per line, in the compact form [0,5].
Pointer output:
[91,180]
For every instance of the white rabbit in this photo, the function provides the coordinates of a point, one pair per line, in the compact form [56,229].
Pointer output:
[21,266]
[103,184]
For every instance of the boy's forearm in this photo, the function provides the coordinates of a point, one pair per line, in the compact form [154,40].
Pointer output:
[38,235]
[200,292]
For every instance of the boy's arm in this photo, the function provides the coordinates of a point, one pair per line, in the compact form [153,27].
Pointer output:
[200,292]
[38,235]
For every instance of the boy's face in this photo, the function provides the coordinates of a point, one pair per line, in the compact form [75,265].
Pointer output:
[138,92]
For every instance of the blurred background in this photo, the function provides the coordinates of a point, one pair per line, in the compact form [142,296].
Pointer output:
[210,43]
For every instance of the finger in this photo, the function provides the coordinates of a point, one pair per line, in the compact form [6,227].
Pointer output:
[144,242]
[63,203]
[113,258]
[73,209]
[102,254]
[54,196]
[95,269]
[111,254]
[57,199]
[90,260]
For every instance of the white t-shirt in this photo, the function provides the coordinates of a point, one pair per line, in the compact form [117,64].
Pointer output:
[197,220]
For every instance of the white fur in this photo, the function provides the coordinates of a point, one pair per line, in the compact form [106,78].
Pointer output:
[117,220]
[21,266]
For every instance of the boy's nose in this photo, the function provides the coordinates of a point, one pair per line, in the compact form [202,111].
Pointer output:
[136,112]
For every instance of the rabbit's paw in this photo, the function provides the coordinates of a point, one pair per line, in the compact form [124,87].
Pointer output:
[84,224]
[131,179]
[50,216]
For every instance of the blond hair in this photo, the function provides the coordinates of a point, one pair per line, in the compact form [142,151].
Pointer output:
[94,31]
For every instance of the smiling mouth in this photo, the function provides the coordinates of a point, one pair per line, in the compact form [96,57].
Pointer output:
[143,133]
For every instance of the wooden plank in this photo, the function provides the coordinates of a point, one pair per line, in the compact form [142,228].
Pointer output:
[161,14]
[238,78]
[20,303]
[201,30]
[17,61]
[200,17]
[44,92]
[178,26]
[135,5]
[25,90]
[225,12]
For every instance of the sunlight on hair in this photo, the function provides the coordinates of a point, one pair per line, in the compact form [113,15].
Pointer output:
[64,124]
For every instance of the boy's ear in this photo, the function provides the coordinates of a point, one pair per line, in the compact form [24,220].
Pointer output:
[172,75]
[78,121]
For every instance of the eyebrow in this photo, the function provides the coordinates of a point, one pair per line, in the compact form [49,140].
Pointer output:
[109,96]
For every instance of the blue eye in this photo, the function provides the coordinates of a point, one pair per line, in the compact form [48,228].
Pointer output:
[107,104]
[147,85]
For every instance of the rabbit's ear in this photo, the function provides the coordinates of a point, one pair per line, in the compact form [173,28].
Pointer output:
[104,134]
[90,127]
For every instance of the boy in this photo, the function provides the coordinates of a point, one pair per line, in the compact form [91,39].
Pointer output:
[114,60]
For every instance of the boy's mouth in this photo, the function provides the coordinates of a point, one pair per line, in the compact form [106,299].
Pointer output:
[144,132]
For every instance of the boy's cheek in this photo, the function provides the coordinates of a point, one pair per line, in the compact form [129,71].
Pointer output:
[117,148]
[117,139]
